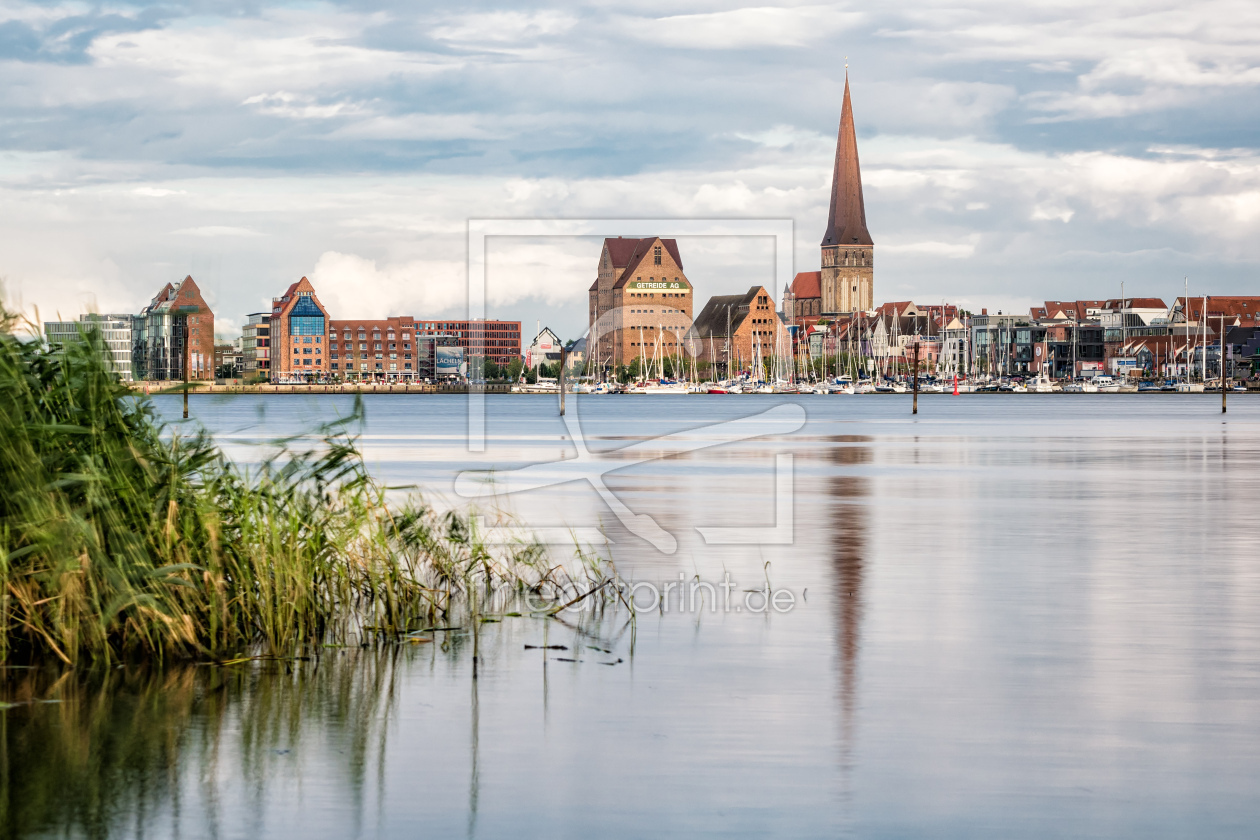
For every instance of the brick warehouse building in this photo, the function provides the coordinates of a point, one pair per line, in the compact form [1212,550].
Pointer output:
[382,348]
[641,299]
[399,347]
[299,334]
[752,322]
[174,334]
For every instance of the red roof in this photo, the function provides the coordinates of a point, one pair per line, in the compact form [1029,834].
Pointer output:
[635,252]
[807,284]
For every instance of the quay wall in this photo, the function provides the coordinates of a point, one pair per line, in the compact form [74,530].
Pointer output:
[345,388]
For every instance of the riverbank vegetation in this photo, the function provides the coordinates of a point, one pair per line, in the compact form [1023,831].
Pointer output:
[121,537]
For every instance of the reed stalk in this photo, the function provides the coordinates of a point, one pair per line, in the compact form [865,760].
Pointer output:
[123,537]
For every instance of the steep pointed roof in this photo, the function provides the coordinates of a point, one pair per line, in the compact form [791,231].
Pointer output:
[846,222]
[806,284]
[640,251]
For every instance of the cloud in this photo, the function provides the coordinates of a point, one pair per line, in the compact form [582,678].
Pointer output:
[1066,145]
[764,26]
[949,250]
[216,230]
[355,285]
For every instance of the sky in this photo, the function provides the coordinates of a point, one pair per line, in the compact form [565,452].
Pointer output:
[1011,152]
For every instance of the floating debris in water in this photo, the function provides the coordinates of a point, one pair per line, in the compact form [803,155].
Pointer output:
[546,647]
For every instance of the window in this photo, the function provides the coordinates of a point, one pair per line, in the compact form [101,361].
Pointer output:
[306,319]
[656,255]
[378,346]
[363,345]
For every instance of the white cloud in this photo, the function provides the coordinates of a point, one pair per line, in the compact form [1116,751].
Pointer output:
[358,287]
[300,106]
[949,250]
[215,230]
[500,28]
[763,26]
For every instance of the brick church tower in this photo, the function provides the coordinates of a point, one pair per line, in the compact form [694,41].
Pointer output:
[848,253]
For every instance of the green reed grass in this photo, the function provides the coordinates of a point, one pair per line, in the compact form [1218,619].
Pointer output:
[121,537]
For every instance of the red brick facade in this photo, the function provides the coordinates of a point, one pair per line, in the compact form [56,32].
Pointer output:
[299,334]
[373,349]
[641,300]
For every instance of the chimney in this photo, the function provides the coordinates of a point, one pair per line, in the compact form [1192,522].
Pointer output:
[984,312]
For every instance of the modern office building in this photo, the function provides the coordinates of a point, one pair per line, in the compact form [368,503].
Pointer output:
[256,345]
[497,341]
[174,335]
[116,333]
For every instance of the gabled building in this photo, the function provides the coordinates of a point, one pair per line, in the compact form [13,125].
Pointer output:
[299,334]
[174,335]
[1239,311]
[802,299]
[733,330]
[544,349]
[640,302]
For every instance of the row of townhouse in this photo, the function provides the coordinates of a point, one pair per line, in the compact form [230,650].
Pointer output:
[1058,338]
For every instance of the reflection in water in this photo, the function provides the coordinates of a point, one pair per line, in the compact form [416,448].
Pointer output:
[128,751]
[849,540]
[1060,639]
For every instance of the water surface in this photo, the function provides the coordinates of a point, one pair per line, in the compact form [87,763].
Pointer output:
[1015,615]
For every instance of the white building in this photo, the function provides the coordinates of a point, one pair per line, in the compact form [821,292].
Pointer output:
[114,329]
[544,349]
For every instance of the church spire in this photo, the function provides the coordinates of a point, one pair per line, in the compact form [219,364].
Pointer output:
[846,222]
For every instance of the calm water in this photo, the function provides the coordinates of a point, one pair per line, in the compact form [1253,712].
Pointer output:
[1014,615]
